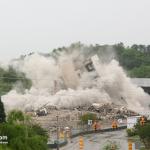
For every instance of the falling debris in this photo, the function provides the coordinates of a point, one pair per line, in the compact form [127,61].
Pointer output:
[73,79]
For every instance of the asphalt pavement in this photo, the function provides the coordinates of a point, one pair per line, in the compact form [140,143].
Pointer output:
[99,140]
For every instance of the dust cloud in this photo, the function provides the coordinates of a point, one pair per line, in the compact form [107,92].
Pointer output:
[65,82]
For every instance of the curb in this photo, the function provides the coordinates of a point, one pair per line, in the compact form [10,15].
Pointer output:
[85,133]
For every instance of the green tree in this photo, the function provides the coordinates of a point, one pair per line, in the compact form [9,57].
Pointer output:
[88,116]
[10,77]
[15,116]
[134,57]
[111,145]
[144,133]
[2,112]
[4,147]
[142,71]
[131,132]
[23,134]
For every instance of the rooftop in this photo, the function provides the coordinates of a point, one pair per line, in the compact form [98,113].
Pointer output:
[142,82]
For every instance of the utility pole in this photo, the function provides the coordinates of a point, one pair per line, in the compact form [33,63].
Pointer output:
[55,86]
[57,134]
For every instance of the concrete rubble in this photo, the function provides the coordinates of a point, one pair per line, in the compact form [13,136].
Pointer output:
[111,110]
[71,117]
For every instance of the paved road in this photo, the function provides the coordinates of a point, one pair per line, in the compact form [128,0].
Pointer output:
[97,141]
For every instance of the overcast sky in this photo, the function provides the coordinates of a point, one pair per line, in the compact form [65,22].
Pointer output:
[41,25]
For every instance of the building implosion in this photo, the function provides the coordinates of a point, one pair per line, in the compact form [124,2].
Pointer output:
[69,74]
[72,81]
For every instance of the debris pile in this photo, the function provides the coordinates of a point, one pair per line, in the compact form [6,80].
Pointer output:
[111,110]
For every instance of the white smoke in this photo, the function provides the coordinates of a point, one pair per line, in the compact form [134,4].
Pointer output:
[52,86]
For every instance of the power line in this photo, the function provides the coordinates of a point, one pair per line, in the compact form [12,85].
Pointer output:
[25,78]
[13,78]
[64,94]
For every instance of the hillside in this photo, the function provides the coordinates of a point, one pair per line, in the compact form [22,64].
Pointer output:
[9,77]
[134,59]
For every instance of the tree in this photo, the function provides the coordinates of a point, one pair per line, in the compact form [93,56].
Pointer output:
[131,132]
[111,145]
[144,133]
[22,134]
[88,116]
[142,71]
[2,112]
[15,116]
[135,57]
[10,77]
[4,147]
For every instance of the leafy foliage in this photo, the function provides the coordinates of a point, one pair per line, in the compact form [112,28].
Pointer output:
[135,59]
[144,133]
[111,145]
[142,71]
[4,147]
[88,116]
[10,77]
[22,134]
[131,132]
[15,116]
[2,112]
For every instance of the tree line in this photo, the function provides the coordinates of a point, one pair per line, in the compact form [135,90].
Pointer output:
[134,59]
[9,77]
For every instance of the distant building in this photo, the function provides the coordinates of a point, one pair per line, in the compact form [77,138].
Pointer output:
[143,83]
[132,121]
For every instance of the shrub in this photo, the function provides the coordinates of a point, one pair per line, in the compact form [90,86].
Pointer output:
[88,116]
[131,132]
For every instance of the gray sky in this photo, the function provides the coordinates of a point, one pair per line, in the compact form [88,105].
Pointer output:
[41,25]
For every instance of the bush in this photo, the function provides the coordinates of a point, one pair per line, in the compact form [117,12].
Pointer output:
[10,77]
[144,133]
[15,116]
[4,147]
[23,135]
[131,132]
[110,145]
[2,112]
[89,116]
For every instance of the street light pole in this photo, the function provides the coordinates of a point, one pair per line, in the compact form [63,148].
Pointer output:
[57,134]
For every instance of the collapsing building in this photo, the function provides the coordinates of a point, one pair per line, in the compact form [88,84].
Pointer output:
[69,74]
[75,80]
